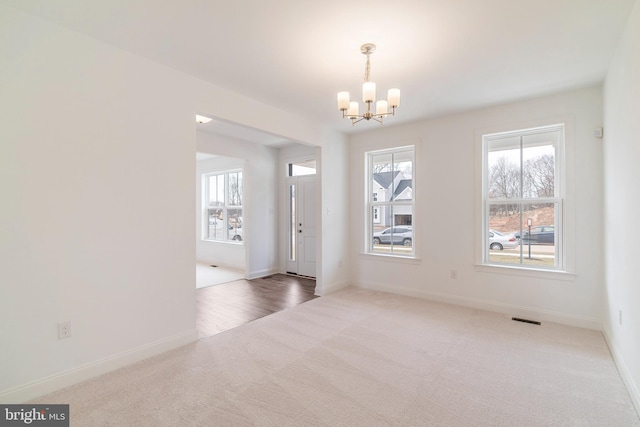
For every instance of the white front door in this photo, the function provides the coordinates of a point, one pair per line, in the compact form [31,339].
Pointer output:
[302,226]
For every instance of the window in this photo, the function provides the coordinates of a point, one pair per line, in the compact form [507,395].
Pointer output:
[390,202]
[223,206]
[523,198]
[301,168]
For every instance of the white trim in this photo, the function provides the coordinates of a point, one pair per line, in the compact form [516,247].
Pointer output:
[517,270]
[390,258]
[261,273]
[632,388]
[84,372]
[300,159]
[370,204]
[497,307]
[565,155]
[334,287]
[204,236]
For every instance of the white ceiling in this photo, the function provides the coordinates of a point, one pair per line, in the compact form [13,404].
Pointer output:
[444,55]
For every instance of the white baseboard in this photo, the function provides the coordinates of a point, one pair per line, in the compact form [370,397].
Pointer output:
[632,387]
[330,288]
[73,376]
[261,273]
[498,307]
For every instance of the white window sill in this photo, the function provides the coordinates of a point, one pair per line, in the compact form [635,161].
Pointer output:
[526,272]
[391,258]
[226,242]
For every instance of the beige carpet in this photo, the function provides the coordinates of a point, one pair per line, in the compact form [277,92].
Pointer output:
[361,358]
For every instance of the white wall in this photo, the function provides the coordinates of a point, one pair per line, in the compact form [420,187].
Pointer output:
[260,201]
[97,227]
[97,182]
[622,205]
[335,229]
[447,215]
[224,254]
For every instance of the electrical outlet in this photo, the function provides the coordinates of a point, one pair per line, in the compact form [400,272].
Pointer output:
[454,274]
[64,330]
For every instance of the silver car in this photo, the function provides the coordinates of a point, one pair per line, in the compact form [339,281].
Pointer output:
[499,241]
[399,235]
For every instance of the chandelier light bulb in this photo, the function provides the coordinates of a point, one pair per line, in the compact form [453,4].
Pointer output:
[343,100]
[354,109]
[393,97]
[381,107]
[369,92]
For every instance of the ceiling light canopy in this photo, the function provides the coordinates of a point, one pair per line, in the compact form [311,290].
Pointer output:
[351,109]
[202,119]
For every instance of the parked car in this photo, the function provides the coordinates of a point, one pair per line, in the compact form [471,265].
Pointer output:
[499,241]
[235,233]
[540,235]
[216,229]
[401,235]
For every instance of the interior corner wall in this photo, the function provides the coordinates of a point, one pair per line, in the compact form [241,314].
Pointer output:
[622,205]
[446,220]
[260,207]
[335,214]
[222,254]
[97,222]
[97,169]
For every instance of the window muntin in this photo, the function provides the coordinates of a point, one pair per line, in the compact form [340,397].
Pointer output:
[223,206]
[522,186]
[391,203]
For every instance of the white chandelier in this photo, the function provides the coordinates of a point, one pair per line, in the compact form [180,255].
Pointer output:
[351,109]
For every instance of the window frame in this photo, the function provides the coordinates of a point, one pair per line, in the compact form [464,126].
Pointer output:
[225,207]
[300,167]
[563,262]
[373,204]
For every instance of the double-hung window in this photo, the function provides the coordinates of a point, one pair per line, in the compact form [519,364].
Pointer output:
[390,202]
[223,206]
[523,198]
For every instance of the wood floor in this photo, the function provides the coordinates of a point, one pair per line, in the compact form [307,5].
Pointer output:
[226,306]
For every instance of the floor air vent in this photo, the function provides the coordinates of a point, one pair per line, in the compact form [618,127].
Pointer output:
[518,319]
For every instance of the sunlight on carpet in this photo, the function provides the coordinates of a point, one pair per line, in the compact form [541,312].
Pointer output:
[206,275]
[364,358]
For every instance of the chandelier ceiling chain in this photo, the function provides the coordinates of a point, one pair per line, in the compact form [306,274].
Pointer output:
[350,109]
[367,68]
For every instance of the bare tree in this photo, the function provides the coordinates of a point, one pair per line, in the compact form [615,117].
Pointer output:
[505,176]
[382,167]
[235,189]
[504,183]
[539,176]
